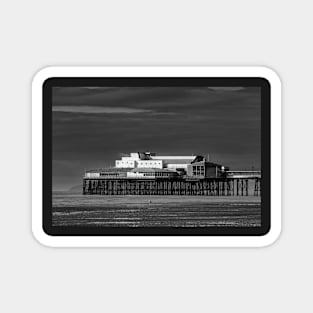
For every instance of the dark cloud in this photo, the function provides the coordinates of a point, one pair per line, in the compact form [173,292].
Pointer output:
[226,88]
[88,109]
[92,126]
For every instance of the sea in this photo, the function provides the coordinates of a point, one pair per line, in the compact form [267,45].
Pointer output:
[71,209]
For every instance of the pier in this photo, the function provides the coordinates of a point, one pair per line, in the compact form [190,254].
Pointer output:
[145,173]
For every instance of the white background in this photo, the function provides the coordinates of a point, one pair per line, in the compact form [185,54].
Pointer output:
[35,34]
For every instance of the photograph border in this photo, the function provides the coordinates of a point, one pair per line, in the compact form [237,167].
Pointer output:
[154,76]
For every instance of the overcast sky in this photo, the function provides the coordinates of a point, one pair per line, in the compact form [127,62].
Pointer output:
[92,126]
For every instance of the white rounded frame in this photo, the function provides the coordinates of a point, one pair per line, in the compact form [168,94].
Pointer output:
[156,241]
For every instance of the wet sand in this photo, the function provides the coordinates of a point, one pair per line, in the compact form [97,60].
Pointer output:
[155,211]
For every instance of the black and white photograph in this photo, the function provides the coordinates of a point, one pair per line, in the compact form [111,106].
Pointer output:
[175,157]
